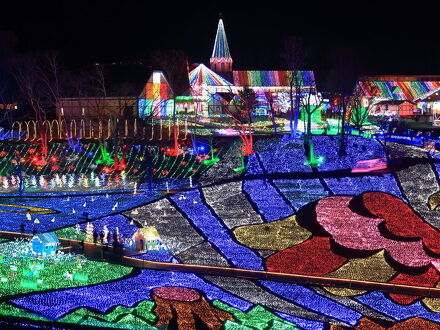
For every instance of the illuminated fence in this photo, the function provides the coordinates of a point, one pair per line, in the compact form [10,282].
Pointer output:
[104,129]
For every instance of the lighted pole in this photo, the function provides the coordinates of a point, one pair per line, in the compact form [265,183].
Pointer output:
[176,145]
[150,172]
[20,178]
[342,148]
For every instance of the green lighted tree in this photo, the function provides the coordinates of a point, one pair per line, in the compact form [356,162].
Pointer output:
[294,55]
[310,103]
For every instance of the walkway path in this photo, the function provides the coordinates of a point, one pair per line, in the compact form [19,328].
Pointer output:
[100,252]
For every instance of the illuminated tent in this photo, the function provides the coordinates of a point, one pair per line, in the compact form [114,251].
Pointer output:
[205,83]
[202,76]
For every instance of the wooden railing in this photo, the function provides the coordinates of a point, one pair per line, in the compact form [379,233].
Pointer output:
[104,129]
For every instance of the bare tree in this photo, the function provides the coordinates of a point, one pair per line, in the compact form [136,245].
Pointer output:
[98,87]
[8,95]
[175,65]
[344,72]
[40,82]
[240,111]
[310,103]
[358,113]
[78,86]
[103,112]
[270,103]
[106,108]
[294,55]
[7,98]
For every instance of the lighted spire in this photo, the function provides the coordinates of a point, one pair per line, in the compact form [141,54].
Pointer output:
[221,60]
[221,49]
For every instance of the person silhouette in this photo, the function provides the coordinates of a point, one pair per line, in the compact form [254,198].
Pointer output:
[81,246]
[95,236]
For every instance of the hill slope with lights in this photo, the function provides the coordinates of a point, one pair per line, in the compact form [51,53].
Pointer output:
[278,215]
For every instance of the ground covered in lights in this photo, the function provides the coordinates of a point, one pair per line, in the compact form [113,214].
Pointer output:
[278,215]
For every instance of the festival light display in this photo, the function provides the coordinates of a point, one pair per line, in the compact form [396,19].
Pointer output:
[268,201]
[214,229]
[141,315]
[22,272]
[429,103]
[282,156]
[285,233]
[157,99]
[80,169]
[185,105]
[202,76]
[380,271]
[257,317]
[274,79]
[398,90]
[205,82]
[258,207]
[180,300]
[44,245]
[417,93]
[130,291]
[221,60]
[271,225]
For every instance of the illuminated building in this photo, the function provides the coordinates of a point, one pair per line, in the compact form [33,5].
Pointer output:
[213,89]
[430,103]
[70,108]
[403,96]
[157,98]
[45,244]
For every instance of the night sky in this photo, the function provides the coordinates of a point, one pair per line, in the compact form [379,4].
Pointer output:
[362,38]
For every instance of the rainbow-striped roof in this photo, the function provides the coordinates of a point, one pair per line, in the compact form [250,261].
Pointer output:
[432,93]
[271,78]
[202,75]
[402,88]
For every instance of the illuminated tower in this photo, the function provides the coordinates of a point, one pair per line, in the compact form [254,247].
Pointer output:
[221,60]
